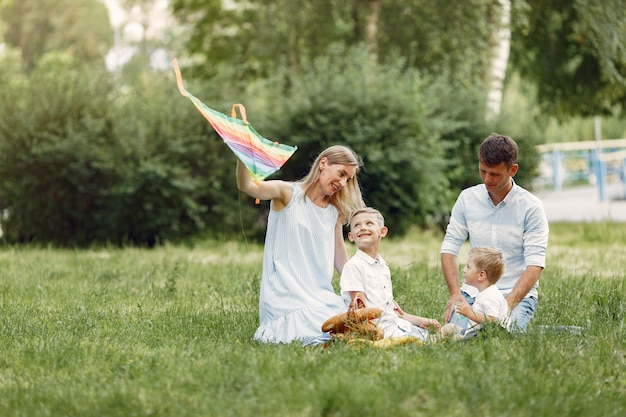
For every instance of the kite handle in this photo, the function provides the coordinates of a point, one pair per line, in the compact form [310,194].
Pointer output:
[233,114]
[242,111]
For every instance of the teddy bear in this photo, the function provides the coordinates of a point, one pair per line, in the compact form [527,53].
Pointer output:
[357,328]
[355,323]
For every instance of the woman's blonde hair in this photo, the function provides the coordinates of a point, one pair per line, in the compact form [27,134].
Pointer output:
[349,198]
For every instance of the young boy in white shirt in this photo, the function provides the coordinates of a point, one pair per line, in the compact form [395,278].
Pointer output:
[366,279]
[485,266]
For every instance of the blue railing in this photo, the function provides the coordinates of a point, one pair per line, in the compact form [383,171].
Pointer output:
[591,162]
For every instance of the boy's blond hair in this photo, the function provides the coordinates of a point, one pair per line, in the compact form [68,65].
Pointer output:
[488,259]
[379,216]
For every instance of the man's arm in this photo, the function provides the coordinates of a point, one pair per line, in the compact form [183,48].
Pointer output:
[450,270]
[528,279]
[457,233]
[535,245]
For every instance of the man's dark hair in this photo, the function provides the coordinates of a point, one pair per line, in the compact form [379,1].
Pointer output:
[497,149]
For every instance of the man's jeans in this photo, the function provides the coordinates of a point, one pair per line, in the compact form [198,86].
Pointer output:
[522,314]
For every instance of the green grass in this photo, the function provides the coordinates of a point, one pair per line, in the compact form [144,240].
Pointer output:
[167,332]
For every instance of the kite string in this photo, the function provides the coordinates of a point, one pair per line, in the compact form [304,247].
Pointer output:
[243,230]
[233,114]
[242,111]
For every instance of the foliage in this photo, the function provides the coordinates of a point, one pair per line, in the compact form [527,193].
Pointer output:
[449,43]
[574,51]
[583,129]
[434,37]
[284,32]
[522,119]
[87,157]
[456,109]
[159,171]
[40,26]
[288,34]
[52,136]
[79,165]
[173,166]
[107,331]
[377,110]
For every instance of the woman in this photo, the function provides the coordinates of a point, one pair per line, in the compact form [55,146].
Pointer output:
[304,240]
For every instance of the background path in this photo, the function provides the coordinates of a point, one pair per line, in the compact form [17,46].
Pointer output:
[579,204]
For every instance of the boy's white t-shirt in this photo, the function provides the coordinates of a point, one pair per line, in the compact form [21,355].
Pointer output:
[372,277]
[491,303]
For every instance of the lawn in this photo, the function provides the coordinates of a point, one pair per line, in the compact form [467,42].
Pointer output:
[167,332]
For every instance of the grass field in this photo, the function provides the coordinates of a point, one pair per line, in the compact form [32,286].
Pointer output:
[167,332]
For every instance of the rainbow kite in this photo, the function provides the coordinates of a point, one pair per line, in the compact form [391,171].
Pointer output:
[261,156]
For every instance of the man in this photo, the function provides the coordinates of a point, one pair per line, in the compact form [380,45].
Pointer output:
[501,214]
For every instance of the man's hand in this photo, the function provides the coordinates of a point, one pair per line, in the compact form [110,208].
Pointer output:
[451,304]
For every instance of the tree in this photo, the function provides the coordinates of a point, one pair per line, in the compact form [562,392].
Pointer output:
[437,37]
[448,42]
[430,36]
[147,28]
[575,52]
[283,33]
[501,46]
[40,26]
[369,34]
[81,164]
[54,129]
[377,110]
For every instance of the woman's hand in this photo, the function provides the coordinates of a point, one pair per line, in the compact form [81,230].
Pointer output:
[278,191]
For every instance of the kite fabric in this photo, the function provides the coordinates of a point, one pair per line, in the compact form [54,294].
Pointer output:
[261,156]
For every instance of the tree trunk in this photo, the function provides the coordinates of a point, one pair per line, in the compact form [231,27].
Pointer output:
[371,31]
[501,45]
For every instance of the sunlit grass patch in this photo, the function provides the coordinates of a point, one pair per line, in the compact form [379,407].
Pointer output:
[168,332]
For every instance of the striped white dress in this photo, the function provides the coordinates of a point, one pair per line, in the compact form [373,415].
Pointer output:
[297,295]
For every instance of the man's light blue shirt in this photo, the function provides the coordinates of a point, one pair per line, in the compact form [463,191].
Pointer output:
[517,226]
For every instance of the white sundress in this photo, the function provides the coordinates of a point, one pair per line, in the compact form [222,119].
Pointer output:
[297,295]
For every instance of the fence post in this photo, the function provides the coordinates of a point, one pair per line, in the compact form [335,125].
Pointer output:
[598,169]
[624,177]
[599,165]
[557,178]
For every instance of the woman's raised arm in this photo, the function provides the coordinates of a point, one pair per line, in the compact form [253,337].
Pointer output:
[278,191]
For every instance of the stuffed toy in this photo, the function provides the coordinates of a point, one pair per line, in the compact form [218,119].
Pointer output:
[355,323]
[357,328]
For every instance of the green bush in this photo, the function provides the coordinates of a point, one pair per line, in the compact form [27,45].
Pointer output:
[455,109]
[86,158]
[377,110]
[54,134]
[522,119]
[169,166]
[84,162]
